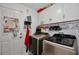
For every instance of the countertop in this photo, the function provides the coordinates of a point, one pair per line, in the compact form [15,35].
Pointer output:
[39,36]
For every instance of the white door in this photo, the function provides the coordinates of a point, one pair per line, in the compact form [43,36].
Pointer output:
[11,45]
[0,31]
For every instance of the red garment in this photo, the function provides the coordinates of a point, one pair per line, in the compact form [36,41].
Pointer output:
[27,37]
[41,9]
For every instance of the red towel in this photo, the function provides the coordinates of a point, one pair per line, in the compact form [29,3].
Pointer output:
[27,37]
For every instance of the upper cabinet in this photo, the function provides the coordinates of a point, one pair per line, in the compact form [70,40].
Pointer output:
[71,11]
[60,12]
[51,14]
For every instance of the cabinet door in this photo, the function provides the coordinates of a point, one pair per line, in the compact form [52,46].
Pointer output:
[43,17]
[71,11]
[52,14]
[55,13]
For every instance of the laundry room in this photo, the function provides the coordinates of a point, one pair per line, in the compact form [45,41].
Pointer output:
[39,28]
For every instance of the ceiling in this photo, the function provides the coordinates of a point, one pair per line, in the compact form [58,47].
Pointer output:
[36,6]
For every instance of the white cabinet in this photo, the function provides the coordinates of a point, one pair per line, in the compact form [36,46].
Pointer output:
[55,13]
[60,12]
[71,11]
[52,14]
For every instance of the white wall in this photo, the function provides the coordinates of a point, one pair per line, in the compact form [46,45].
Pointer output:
[12,45]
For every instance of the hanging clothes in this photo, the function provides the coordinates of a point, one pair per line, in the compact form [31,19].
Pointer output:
[27,38]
